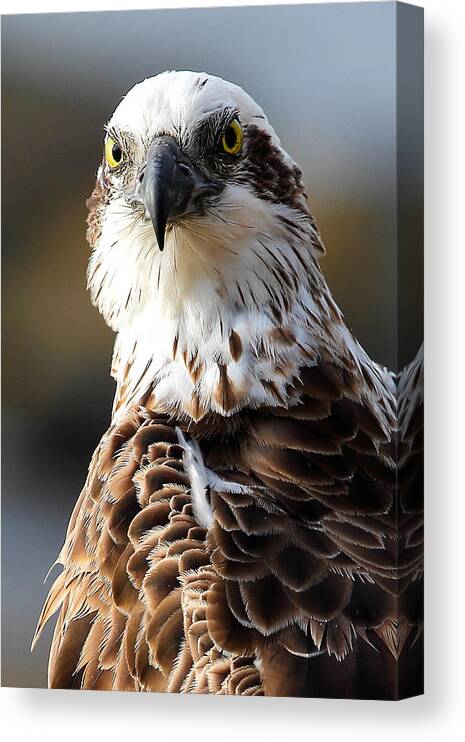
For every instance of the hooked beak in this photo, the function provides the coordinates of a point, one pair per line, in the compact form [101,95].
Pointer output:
[170,185]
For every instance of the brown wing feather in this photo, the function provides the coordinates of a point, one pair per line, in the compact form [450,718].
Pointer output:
[133,591]
[297,577]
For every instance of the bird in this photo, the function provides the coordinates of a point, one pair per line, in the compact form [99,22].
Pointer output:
[251,520]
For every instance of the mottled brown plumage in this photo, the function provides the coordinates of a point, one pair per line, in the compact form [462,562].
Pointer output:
[306,572]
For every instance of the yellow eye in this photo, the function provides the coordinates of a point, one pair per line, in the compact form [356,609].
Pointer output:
[233,138]
[113,152]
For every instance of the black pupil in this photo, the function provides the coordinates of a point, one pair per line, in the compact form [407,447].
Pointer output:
[116,153]
[230,137]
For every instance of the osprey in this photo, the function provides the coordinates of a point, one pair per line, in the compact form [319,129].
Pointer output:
[243,528]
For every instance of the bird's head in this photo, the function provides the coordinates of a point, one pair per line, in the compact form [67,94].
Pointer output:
[195,194]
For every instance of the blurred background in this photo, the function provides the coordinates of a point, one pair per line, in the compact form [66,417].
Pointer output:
[326,77]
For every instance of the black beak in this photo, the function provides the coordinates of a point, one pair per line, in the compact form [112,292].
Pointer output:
[171,185]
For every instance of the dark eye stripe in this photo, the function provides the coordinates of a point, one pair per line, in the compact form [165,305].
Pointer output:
[208,133]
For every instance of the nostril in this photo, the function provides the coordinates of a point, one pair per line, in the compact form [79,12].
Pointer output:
[141,176]
[184,169]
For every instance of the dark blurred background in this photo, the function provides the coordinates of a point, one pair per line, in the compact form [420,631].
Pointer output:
[325,75]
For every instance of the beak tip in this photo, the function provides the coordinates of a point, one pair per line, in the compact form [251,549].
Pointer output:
[161,243]
[159,230]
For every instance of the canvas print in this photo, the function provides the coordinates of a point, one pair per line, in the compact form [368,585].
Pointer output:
[250,522]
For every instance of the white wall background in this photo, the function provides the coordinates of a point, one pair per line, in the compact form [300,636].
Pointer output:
[439,714]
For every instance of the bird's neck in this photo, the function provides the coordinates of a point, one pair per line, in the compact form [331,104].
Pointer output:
[208,355]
